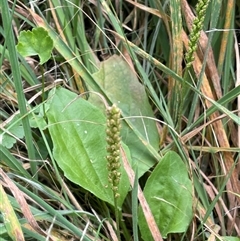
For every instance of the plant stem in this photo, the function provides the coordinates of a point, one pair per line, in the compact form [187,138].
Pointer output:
[117,217]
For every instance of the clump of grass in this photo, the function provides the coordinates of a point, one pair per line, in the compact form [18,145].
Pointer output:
[142,34]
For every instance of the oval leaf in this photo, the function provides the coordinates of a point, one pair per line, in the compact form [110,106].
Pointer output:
[79,140]
[168,193]
[121,85]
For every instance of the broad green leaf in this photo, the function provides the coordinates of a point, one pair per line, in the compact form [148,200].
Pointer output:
[122,87]
[168,193]
[78,134]
[35,42]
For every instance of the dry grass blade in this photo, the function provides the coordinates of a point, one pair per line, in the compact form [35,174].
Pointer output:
[209,224]
[19,196]
[238,100]
[145,8]
[225,37]
[174,86]
[111,231]
[233,184]
[214,192]
[10,219]
[197,130]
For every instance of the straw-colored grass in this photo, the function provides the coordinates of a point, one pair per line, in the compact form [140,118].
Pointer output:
[184,53]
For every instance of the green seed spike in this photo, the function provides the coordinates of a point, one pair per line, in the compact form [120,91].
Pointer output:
[113,147]
[196,29]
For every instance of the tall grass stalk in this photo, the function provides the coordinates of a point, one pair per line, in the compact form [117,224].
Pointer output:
[22,104]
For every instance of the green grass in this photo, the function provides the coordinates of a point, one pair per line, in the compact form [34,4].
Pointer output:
[196,110]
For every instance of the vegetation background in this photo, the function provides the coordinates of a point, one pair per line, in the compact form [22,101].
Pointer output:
[184,53]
